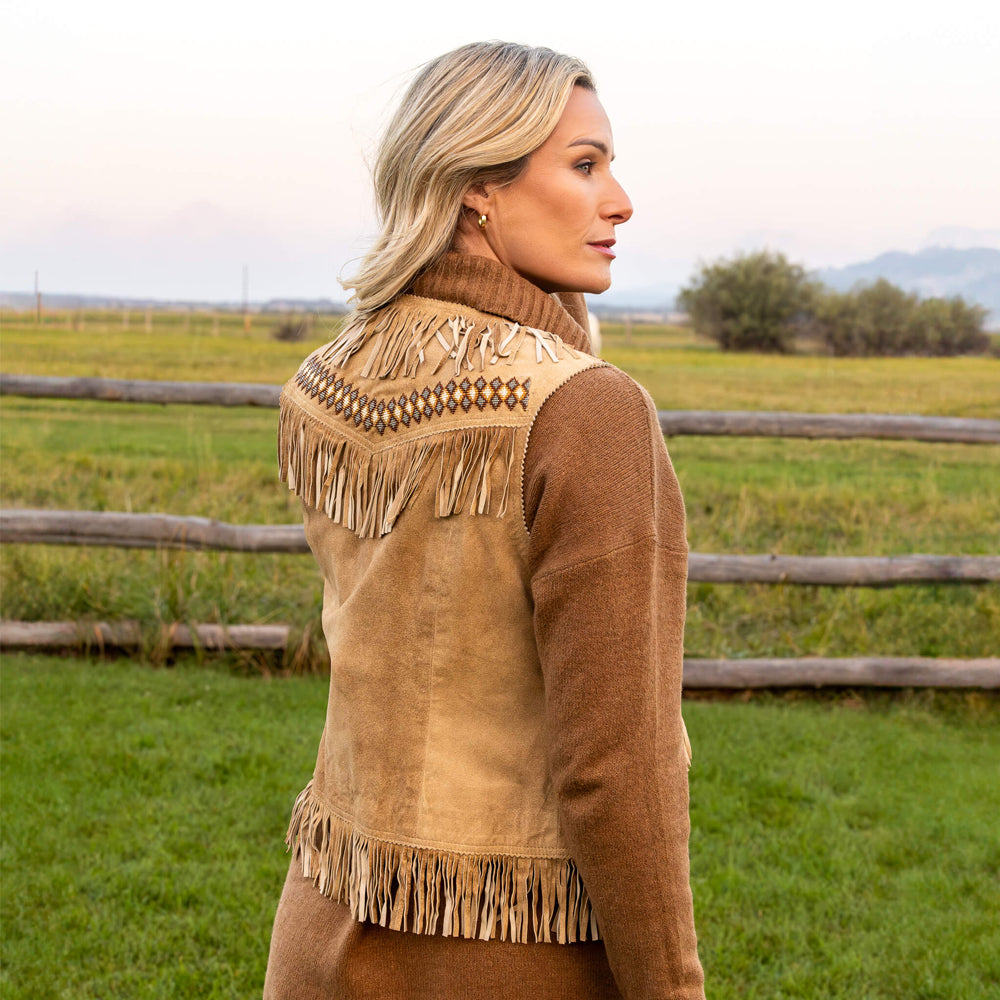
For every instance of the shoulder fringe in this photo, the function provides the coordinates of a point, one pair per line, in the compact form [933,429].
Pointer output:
[427,891]
[399,335]
[366,491]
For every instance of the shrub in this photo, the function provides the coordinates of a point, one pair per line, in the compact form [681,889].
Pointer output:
[952,326]
[754,302]
[882,319]
[761,302]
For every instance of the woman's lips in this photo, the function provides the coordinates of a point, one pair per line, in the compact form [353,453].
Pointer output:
[604,248]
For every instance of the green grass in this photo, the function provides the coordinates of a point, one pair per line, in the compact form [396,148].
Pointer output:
[840,849]
[143,817]
[174,350]
[680,370]
[743,494]
[700,377]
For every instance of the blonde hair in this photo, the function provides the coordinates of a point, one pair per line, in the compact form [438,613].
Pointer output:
[472,116]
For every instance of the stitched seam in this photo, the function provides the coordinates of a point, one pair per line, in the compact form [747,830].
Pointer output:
[597,363]
[431,666]
[611,552]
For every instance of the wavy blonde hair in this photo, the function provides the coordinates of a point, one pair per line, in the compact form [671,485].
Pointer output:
[472,116]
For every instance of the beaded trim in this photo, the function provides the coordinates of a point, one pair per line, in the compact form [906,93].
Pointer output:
[371,412]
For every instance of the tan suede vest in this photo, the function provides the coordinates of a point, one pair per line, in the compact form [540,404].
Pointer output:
[431,807]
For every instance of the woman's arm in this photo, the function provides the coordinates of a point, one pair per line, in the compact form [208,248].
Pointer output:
[609,563]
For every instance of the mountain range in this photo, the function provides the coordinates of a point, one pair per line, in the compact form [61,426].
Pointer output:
[937,272]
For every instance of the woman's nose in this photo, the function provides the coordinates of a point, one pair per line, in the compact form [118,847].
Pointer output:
[618,206]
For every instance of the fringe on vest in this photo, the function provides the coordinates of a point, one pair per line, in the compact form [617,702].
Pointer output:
[367,491]
[425,891]
[400,334]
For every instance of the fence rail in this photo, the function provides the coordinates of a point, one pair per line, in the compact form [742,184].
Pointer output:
[146,531]
[127,390]
[856,671]
[880,426]
[169,531]
[736,423]
[150,531]
[810,671]
[129,635]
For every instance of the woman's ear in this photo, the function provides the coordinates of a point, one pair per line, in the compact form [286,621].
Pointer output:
[470,235]
[477,200]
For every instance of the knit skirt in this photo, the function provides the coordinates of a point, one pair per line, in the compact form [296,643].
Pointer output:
[320,952]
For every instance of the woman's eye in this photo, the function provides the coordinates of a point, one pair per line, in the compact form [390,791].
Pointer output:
[586,166]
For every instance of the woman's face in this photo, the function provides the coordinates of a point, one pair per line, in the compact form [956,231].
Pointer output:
[555,224]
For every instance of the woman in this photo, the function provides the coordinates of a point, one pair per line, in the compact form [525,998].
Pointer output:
[500,804]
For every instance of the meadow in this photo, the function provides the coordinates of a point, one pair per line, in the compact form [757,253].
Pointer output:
[843,844]
[749,495]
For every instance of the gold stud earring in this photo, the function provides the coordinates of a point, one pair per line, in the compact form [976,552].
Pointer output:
[482,221]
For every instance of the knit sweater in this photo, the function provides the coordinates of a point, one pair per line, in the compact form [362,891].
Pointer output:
[607,560]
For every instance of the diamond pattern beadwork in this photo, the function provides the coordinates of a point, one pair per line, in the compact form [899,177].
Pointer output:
[381,414]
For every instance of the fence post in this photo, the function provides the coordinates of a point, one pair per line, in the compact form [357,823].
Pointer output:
[246,299]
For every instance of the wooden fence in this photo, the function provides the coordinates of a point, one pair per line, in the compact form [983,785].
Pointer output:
[153,531]
[168,531]
[743,423]
[810,671]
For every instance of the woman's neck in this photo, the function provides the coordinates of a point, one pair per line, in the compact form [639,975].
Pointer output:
[486,285]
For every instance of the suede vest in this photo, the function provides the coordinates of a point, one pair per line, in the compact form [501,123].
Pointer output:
[431,808]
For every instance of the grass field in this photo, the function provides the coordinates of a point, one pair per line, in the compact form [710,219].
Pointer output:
[842,846]
[692,374]
[840,850]
[743,495]
[177,348]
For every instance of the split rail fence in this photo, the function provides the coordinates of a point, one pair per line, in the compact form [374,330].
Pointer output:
[167,531]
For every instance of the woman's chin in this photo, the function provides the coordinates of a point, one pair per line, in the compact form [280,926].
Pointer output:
[589,280]
[596,284]
[598,278]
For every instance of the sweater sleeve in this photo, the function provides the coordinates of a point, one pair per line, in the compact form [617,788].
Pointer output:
[608,562]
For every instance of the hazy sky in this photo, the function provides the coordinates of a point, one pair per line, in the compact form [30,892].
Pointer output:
[154,149]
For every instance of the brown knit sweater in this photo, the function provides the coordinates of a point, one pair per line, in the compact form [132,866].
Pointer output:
[608,557]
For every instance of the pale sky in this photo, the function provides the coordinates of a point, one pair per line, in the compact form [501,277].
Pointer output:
[153,150]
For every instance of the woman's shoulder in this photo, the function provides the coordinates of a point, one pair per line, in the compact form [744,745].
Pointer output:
[602,402]
[597,476]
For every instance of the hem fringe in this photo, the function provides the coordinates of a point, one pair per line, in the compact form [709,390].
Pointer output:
[431,891]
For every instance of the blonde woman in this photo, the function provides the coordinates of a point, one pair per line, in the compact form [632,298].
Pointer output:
[499,807]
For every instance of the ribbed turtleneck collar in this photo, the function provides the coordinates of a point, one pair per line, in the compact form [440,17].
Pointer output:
[488,286]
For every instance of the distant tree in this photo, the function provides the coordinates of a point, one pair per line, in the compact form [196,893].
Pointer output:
[754,302]
[882,319]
